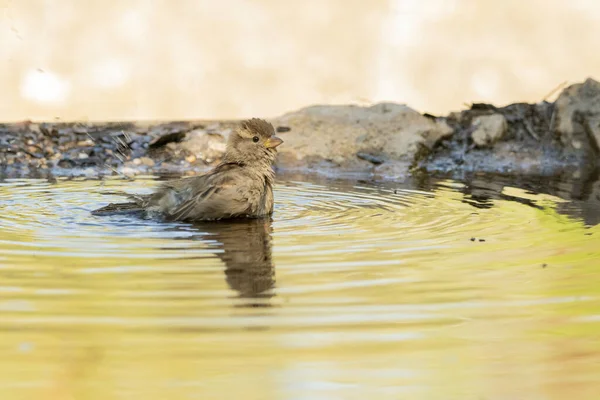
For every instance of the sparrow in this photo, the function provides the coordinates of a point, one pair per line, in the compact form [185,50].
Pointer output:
[240,186]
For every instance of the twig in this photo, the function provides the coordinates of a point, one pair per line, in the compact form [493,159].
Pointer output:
[530,130]
[552,119]
[90,136]
[112,168]
[34,155]
[528,127]
[556,89]
[122,142]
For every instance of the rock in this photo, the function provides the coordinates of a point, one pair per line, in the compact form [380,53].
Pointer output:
[33,151]
[592,124]
[213,127]
[392,170]
[147,161]
[34,128]
[383,141]
[80,129]
[173,137]
[579,104]
[321,137]
[372,158]
[62,140]
[225,133]
[85,143]
[488,129]
[66,163]
[135,146]
[204,146]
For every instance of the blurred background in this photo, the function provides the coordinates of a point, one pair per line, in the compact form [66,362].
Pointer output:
[187,59]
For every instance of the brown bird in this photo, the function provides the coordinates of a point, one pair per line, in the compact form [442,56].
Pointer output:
[241,186]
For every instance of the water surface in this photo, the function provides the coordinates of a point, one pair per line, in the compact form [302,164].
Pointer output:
[352,290]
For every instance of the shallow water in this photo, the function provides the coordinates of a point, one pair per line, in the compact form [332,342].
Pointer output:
[353,291]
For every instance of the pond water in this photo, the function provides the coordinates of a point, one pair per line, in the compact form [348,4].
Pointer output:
[437,290]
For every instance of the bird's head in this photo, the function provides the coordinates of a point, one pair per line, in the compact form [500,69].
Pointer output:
[254,142]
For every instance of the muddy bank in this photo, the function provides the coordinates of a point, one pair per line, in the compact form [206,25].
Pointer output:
[383,142]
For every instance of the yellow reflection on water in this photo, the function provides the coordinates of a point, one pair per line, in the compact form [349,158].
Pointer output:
[349,292]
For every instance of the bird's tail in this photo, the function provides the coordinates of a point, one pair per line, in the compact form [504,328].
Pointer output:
[119,208]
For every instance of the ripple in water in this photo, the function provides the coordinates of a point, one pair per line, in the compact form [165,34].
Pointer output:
[410,281]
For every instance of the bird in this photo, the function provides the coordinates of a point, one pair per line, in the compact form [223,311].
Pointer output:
[240,186]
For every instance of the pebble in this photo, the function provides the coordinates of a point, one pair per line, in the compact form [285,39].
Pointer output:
[339,160]
[372,158]
[82,156]
[64,139]
[137,161]
[128,171]
[147,161]
[34,151]
[191,158]
[80,129]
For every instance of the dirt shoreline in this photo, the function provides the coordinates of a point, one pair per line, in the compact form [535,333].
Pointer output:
[386,141]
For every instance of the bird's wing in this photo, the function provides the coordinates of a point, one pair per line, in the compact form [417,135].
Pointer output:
[222,194]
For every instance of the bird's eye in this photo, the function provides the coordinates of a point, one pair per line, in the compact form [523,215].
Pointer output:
[255,139]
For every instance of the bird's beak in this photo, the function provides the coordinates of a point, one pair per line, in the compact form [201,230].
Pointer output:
[273,142]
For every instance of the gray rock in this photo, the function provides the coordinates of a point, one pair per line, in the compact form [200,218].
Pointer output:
[147,161]
[488,129]
[385,141]
[579,103]
[323,137]
[372,158]
[592,124]
[204,146]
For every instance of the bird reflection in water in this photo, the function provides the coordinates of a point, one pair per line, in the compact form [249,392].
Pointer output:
[246,245]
